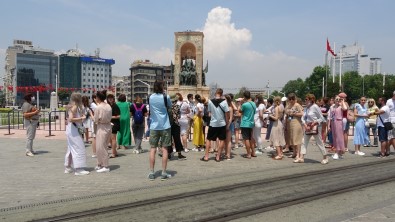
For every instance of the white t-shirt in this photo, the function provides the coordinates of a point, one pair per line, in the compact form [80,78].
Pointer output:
[201,106]
[258,122]
[218,113]
[391,105]
[385,116]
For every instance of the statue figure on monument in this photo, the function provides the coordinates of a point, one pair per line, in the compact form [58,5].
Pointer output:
[188,72]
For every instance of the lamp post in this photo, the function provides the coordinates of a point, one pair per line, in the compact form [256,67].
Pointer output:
[148,85]
[363,85]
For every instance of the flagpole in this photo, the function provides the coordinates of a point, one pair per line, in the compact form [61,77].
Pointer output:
[323,87]
[326,74]
[334,63]
[340,71]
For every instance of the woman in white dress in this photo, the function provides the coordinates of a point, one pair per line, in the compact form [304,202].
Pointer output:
[184,120]
[76,154]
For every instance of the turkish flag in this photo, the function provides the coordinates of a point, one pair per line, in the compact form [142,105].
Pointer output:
[329,49]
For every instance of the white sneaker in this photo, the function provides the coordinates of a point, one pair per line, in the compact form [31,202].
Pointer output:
[258,152]
[335,156]
[68,170]
[103,170]
[28,153]
[94,156]
[325,161]
[195,149]
[97,167]
[136,151]
[81,172]
[360,153]
[186,150]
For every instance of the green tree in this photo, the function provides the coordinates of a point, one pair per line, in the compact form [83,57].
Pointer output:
[314,81]
[63,95]
[297,86]
[241,92]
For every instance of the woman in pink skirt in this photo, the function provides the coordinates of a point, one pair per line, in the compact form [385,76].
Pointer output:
[336,125]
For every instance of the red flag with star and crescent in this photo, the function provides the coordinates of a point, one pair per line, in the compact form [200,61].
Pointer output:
[329,49]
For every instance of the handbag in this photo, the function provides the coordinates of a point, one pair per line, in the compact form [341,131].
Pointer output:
[80,128]
[387,125]
[367,123]
[313,130]
[372,122]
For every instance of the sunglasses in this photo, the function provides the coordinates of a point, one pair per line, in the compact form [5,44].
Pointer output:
[291,98]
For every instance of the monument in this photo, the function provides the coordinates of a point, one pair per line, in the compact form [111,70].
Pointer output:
[189,75]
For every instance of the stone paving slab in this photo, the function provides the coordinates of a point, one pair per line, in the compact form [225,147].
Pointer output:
[31,180]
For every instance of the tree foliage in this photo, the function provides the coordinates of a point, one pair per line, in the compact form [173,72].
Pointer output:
[353,84]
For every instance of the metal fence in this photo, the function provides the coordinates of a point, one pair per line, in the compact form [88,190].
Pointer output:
[49,121]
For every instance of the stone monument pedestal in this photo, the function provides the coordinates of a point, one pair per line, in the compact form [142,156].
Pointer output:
[203,91]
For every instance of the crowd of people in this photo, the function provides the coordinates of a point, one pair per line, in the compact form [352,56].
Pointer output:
[216,126]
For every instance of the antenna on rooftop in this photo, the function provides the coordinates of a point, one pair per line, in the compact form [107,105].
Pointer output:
[97,52]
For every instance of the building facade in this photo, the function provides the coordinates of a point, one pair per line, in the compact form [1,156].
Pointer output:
[29,69]
[122,85]
[85,74]
[354,58]
[143,75]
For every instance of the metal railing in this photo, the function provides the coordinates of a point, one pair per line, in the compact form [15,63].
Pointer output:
[49,121]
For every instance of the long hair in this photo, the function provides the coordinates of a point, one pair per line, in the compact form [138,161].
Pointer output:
[259,100]
[76,100]
[85,101]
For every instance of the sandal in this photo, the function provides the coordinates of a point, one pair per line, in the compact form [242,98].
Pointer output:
[278,158]
[203,159]
[113,156]
[246,156]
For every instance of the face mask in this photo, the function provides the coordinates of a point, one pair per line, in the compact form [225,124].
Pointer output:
[33,99]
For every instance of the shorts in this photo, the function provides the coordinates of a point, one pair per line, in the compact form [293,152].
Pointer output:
[383,134]
[160,135]
[232,127]
[246,133]
[216,132]
[346,125]
[115,128]
[237,123]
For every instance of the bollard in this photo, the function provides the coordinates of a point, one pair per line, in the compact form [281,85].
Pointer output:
[9,123]
[49,125]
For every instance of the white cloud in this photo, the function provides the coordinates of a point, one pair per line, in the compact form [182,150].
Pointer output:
[221,36]
[124,55]
[234,64]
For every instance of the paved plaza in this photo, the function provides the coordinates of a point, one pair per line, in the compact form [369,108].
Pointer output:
[29,181]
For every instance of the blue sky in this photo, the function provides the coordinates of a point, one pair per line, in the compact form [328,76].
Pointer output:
[247,43]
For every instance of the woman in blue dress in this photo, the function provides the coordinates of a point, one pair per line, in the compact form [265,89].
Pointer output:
[360,136]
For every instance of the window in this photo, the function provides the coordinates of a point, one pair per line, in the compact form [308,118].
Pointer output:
[93,68]
[97,75]
[89,68]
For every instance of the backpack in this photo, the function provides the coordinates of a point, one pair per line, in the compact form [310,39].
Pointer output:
[138,115]
[169,110]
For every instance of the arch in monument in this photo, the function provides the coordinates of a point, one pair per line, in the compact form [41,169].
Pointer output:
[188,74]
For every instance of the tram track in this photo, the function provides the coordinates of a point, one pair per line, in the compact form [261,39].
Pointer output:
[244,199]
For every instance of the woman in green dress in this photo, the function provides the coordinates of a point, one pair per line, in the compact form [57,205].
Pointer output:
[124,137]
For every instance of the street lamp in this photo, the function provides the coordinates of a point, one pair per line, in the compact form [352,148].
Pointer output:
[148,85]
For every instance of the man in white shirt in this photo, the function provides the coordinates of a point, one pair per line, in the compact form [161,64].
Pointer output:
[391,133]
